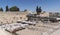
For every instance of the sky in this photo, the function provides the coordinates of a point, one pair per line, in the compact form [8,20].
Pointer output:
[46,5]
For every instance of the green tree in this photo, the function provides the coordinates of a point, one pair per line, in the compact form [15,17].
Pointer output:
[25,10]
[7,8]
[14,8]
[38,10]
[1,9]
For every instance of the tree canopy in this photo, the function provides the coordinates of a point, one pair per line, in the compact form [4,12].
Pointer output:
[1,9]
[14,8]
[38,10]
[25,10]
[7,8]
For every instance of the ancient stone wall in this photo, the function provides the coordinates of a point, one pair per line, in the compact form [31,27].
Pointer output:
[12,17]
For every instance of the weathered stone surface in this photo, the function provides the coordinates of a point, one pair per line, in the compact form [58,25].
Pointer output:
[12,17]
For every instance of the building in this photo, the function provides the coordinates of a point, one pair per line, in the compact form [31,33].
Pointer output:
[44,17]
[35,17]
[54,14]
